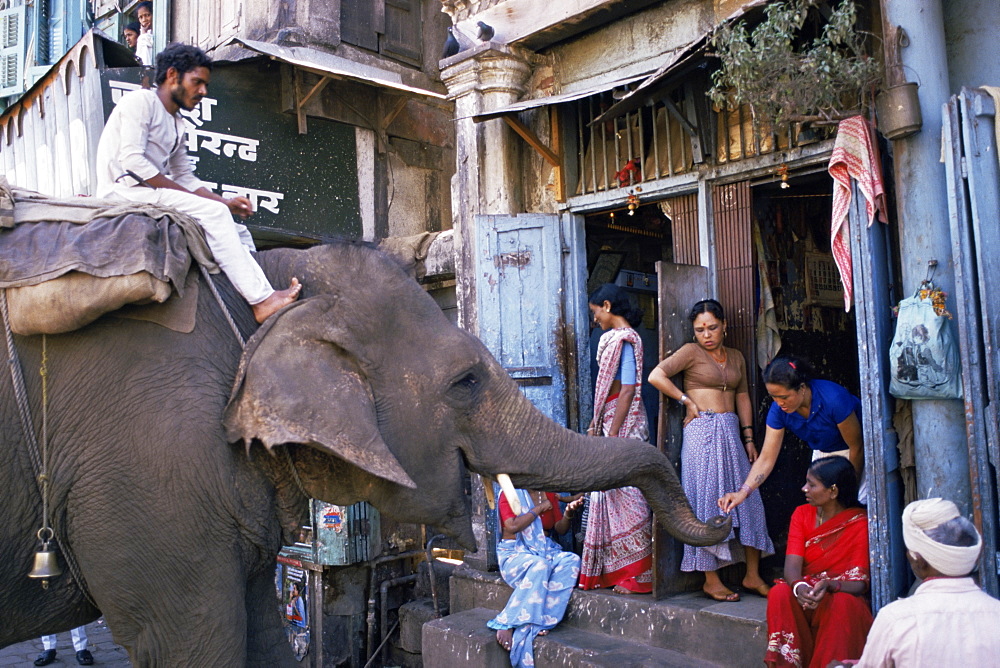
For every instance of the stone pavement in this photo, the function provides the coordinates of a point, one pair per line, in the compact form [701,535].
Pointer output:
[105,651]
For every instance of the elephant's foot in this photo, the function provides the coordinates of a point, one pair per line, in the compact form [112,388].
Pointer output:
[278,300]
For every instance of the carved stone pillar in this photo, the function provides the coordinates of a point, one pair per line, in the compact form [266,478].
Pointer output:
[487,176]
[487,180]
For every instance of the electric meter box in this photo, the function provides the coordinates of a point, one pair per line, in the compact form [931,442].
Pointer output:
[344,535]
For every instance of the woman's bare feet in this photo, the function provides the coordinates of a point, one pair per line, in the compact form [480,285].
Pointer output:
[278,300]
[618,589]
[757,586]
[543,632]
[504,638]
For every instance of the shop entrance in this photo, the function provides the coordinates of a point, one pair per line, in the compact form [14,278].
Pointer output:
[796,272]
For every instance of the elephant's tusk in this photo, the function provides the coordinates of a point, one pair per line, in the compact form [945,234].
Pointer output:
[491,500]
[508,490]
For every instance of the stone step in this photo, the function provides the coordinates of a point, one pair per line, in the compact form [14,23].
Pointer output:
[731,634]
[462,640]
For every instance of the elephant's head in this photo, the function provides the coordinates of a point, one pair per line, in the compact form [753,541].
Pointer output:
[387,401]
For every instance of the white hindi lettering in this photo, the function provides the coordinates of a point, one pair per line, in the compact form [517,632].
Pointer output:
[222,144]
[260,199]
[200,115]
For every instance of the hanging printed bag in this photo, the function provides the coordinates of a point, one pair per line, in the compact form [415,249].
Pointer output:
[923,357]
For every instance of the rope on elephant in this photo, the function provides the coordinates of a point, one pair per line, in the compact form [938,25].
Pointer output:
[222,305]
[21,396]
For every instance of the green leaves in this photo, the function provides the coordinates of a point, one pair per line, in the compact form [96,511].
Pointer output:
[782,74]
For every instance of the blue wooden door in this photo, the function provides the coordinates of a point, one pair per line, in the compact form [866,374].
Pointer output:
[519,262]
[873,301]
[973,180]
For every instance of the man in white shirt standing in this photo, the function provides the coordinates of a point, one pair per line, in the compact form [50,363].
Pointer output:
[948,621]
[142,156]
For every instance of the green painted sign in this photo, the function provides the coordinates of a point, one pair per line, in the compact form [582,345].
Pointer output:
[302,186]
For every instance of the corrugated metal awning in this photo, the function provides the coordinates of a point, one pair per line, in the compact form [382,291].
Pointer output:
[329,65]
[524,105]
[673,65]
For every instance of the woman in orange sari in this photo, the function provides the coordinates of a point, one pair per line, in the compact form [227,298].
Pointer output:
[819,613]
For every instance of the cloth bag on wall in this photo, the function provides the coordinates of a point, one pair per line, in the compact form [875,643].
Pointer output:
[923,357]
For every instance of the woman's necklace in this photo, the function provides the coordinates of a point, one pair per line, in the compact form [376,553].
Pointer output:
[722,366]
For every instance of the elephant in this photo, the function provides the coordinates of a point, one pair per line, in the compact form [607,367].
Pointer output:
[180,463]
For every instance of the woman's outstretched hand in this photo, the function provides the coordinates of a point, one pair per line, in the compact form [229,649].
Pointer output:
[731,500]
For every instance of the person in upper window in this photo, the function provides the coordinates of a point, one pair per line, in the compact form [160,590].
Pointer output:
[130,34]
[820,412]
[617,545]
[713,459]
[144,43]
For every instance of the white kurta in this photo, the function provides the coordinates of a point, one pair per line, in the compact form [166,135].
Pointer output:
[946,622]
[142,137]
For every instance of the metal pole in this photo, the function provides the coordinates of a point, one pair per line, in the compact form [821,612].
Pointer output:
[941,453]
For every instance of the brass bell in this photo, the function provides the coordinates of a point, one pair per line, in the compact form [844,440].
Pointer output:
[46,566]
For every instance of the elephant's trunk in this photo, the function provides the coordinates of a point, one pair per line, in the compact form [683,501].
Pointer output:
[538,454]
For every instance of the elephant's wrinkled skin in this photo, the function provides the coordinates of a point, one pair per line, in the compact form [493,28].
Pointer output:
[364,382]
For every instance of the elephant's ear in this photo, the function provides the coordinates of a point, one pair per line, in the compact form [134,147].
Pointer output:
[295,385]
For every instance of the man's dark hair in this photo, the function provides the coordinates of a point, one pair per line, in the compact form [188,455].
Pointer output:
[181,57]
[956,532]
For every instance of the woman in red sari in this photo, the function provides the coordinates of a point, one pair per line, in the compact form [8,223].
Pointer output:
[819,613]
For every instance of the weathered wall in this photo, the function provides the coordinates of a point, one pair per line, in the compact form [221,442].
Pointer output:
[970,28]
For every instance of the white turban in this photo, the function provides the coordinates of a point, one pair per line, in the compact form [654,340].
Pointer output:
[921,516]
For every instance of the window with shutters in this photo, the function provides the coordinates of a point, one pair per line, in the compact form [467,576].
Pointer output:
[11,50]
[390,27]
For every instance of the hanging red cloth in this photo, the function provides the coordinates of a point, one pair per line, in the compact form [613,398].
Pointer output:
[855,155]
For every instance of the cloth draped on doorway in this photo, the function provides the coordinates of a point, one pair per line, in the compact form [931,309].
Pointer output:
[855,155]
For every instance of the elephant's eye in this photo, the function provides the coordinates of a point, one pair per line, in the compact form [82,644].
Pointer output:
[464,388]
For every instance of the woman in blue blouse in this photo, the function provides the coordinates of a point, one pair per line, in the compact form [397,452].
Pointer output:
[820,412]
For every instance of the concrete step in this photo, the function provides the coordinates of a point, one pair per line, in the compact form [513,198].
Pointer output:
[462,640]
[731,634]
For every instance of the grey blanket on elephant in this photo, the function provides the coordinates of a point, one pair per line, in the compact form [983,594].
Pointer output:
[66,262]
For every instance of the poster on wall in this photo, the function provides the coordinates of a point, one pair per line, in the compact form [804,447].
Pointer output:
[295,601]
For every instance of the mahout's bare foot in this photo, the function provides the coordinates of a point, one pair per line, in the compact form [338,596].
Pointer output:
[505,637]
[278,300]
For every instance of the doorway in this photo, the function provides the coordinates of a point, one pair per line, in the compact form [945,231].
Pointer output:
[795,269]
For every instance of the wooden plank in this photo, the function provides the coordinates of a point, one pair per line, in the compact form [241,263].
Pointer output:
[679,287]
[979,165]
[890,573]
[532,139]
[558,174]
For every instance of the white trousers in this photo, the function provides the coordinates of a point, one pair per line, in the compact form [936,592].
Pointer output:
[79,639]
[230,241]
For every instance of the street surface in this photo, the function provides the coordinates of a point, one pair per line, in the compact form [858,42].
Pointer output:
[105,651]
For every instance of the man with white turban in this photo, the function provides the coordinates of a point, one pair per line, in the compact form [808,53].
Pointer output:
[948,621]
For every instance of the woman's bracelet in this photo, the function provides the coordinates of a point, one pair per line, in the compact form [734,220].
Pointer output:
[746,426]
[795,587]
[532,511]
[684,398]
[746,488]
[834,583]
[748,439]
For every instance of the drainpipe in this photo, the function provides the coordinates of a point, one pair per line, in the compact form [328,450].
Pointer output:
[941,450]
[374,564]
[383,595]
